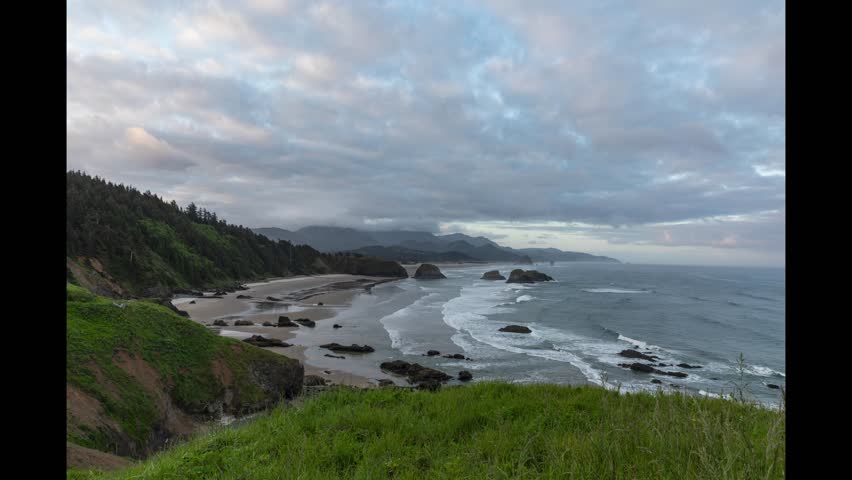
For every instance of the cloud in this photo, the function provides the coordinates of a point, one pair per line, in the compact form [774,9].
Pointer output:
[622,114]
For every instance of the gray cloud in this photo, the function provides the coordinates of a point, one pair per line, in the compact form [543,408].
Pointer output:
[394,115]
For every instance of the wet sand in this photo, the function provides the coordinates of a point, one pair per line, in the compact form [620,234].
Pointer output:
[295,297]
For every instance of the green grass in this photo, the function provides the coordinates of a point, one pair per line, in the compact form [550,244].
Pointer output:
[181,351]
[486,430]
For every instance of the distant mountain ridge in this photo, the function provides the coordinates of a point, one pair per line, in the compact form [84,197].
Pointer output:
[404,245]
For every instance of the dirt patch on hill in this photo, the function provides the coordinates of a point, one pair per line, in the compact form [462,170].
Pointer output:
[91,274]
[85,458]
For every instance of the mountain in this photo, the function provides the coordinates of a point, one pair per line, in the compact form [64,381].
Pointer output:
[407,255]
[413,244]
[121,242]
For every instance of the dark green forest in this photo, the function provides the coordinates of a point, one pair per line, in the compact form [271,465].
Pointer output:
[123,242]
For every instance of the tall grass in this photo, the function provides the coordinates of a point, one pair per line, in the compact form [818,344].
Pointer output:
[487,430]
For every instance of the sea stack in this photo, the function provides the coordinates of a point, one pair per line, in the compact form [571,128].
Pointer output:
[528,276]
[492,275]
[427,271]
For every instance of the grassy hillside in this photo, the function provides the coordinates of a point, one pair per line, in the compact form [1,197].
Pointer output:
[122,242]
[138,374]
[486,430]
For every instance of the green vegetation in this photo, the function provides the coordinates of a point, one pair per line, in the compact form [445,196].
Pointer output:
[181,352]
[486,430]
[148,247]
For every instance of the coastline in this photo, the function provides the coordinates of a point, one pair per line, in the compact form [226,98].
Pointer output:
[299,298]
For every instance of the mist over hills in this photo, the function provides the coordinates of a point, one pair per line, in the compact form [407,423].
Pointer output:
[402,245]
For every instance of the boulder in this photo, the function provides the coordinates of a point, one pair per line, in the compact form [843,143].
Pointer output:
[527,276]
[337,326]
[336,347]
[319,304]
[415,372]
[773,386]
[306,322]
[515,329]
[656,381]
[427,271]
[432,353]
[314,381]
[261,341]
[334,356]
[220,323]
[243,323]
[686,365]
[243,296]
[220,293]
[457,356]
[192,302]
[273,299]
[286,322]
[492,275]
[465,376]
[634,354]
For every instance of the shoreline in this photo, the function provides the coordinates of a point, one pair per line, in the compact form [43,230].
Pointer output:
[296,297]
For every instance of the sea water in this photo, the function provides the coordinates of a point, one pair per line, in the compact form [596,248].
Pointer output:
[705,316]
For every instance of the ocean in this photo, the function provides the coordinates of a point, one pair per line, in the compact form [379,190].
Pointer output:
[701,316]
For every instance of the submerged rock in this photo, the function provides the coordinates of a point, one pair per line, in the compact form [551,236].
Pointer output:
[337,326]
[306,322]
[432,353]
[261,341]
[686,365]
[243,296]
[515,329]
[492,275]
[465,376]
[273,299]
[336,347]
[334,356]
[634,354]
[427,271]
[456,356]
[641,367]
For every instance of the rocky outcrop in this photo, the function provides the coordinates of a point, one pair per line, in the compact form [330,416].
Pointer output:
[456,356]
[273,299]
[314,381]
[386,383]
[334,356]
[243,296]
[432,353]
[306,322]
[268,324]
[336,347]
[465,376]
[427,271]
[220,323]
[492,275]
[773,386]
[686,365]
[643,368]
[286,322]
[634,354]
[243,323]
[515,329]
[527,276]
[261,341]
[415,372]
[337,326]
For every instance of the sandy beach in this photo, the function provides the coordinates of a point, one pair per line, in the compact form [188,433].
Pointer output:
[295,297]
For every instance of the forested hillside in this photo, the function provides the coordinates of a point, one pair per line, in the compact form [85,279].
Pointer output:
[122,242]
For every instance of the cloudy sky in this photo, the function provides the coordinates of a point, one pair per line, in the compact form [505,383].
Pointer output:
[650,131]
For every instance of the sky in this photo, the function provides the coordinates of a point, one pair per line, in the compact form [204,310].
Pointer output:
[652,132]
